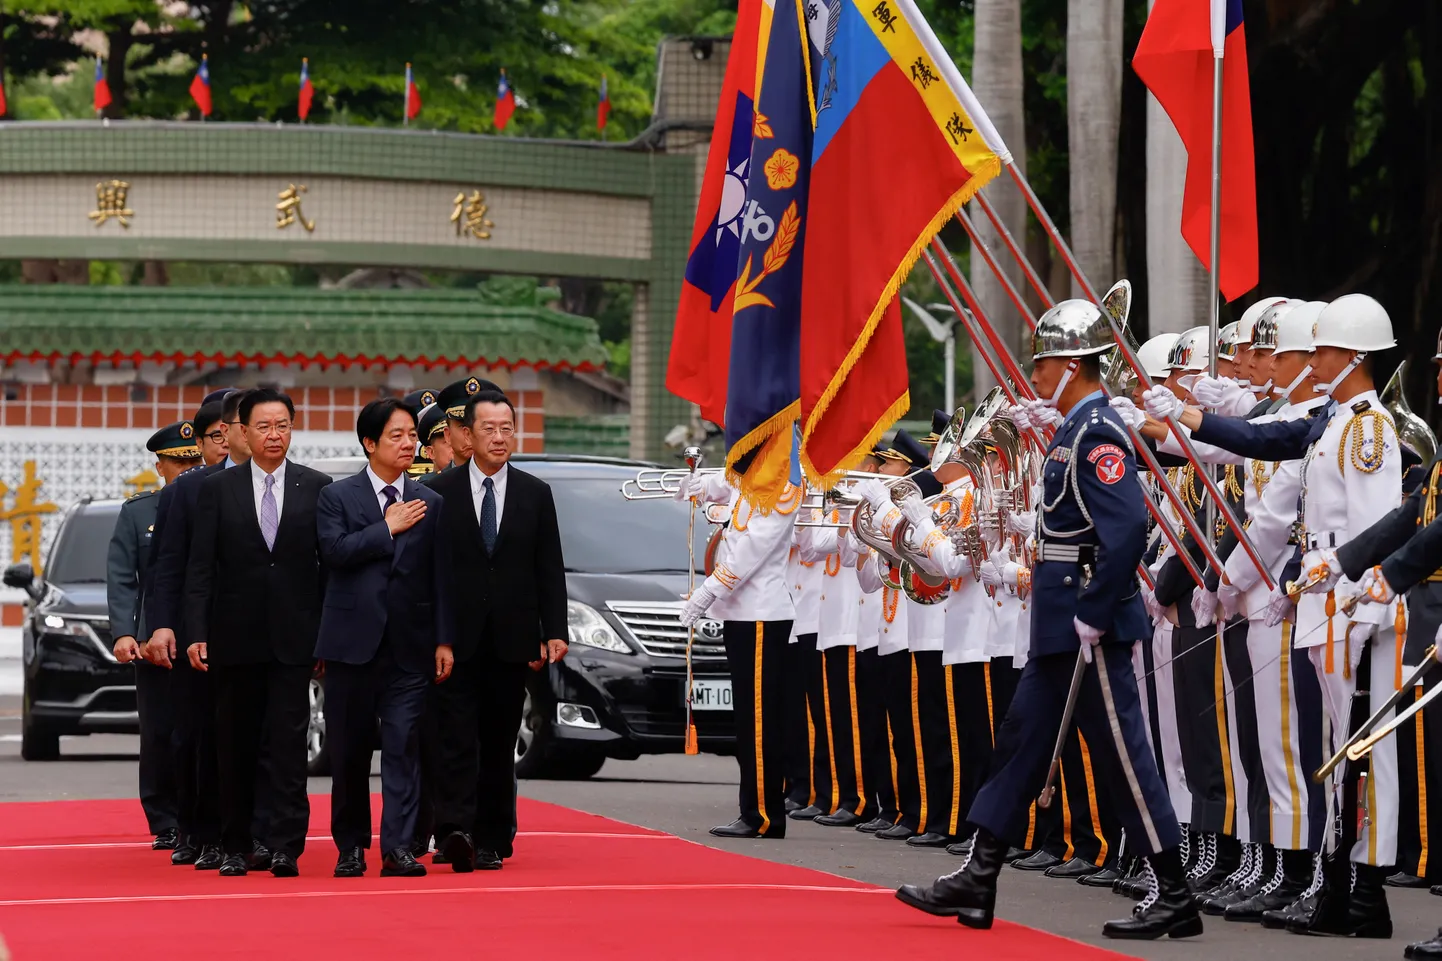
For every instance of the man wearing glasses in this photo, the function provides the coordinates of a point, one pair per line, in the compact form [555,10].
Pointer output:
[252,607]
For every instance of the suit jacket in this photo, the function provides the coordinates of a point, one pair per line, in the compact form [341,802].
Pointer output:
[508,601]
[170,549]
[127,565]
[378,586]
[251,605]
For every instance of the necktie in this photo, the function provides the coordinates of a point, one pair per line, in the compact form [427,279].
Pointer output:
[269,516]
[488,515]
[392,495]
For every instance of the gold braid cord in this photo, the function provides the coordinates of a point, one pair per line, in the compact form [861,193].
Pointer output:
[1430,492]
[1366,459]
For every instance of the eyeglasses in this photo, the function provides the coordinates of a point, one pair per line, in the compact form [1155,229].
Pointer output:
[282,428]
[490,431]
[215,436]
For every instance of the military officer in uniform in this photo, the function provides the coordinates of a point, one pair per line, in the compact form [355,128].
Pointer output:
[435,453]
[452,402]
[127,567]
[1091,535]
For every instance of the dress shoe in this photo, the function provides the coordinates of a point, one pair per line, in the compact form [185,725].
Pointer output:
[793,805]
[401,863]
[808,813]
[1169,910]
[260,857]
[1101,878]
[420,847]
[439,857]
[740,829]
[1074,869]
[351,863]
[969,893]
[874,826]
[166,840]
[960,848]
[840,818]
[459,852]
[897,832]
[1404,880]
[184,853]
[1038,860]
[1016,854]
[1426,950]
[284,866]
[931,839]
[234,866]
[487,860]
[210,858]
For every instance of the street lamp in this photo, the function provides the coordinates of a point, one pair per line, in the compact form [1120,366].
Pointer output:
[944,331]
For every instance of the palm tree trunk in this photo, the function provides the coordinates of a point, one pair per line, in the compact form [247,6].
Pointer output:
[1094,109]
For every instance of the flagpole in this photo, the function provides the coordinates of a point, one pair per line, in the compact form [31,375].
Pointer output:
[406,99]
[1214,281]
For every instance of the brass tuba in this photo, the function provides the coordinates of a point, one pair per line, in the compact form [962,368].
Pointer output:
[1412,430]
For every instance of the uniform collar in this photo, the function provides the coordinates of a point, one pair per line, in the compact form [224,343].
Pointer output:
[1081,407]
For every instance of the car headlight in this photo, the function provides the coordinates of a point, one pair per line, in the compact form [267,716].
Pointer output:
[72,627]
[587,627]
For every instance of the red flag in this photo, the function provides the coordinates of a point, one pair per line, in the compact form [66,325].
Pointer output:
[700,359]
[1174,59]
[200,86]
[603,106]
[307,90]
[102,86]
[505,102]
[413,96]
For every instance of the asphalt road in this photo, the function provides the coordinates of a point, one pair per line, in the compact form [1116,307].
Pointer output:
[685,796]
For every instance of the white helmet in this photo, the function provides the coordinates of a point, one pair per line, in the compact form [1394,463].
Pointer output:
[1294,327]
[1354,322]
[1248,322]
[1192,350]
[1227,342]
[1154,354]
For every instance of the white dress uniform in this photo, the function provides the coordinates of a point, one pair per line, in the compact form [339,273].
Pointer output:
[1164,683]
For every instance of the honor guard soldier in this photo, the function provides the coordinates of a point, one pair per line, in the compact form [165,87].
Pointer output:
[126,580]
[452,401]
[419,400]
[1088,613]
[435,448]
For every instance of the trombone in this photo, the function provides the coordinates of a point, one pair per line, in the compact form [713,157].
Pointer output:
[838,499]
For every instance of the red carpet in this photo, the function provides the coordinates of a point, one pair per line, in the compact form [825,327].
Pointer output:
[77,882]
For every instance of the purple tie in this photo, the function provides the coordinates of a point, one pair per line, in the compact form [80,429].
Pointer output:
[269,516]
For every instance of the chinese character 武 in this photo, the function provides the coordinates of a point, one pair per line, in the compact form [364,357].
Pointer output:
[470,216]
[957,129]
[24,517]
[921,73]
[110,201]
[288,210]
[882,12]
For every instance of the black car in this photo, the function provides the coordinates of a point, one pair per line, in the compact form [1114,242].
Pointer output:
[621,691]
[73,683]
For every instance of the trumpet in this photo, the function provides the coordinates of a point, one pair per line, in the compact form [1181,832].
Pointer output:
[838,499]
[655,483]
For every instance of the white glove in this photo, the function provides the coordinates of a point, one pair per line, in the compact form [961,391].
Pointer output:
[1090,637]
[1204,607]
[1230,597]
[1161,403]
[1359,633]
[1021,522]
[698,603]
[1021,418]
[1209,391]
[1010,574]
[1279,607]
[1437,645]
[875,493]
[1041,415]
[1375,589]
[692,487]
[916,510]
[1322,567]
[1154,609]
[991,574]
[1129,413]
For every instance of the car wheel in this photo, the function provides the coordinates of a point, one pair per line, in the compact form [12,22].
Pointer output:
[37,743]
[317,758]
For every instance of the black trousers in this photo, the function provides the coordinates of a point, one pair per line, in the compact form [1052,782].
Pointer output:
[355,695]
[1089,828]
[902,729]
[430,738]
[1419,748]
[479,715]
[878,764]
[854,791]
[805,759]
[155,704]
[1248,746]
[193,744]
[262,704]
[756,657]
[1199,680]
[980,692]
[939,765]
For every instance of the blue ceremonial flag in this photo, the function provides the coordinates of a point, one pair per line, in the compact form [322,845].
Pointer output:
[763,386]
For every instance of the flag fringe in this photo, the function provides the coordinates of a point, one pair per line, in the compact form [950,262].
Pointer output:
[763,498]
[980,178]
[829,479]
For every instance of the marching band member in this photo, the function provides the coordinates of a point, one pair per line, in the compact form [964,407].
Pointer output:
[808,741]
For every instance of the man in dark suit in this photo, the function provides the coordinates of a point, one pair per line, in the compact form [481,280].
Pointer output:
[506,564]
[384,635]
[252,606]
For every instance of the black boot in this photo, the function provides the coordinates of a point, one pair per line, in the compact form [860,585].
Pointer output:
[1290,879]
[1330,909]
[1223,856]
[1170,911]
[1369,917]
[1430,950]
[969,893]
[1215,899]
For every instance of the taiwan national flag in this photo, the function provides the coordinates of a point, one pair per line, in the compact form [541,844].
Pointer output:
[701,340]
[413,96]
[102,86]
[1174,59]
[505,102]
[307,89]
[200,86]
[603,105]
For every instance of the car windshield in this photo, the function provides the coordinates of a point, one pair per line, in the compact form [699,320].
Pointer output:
[603,533]
[78,556]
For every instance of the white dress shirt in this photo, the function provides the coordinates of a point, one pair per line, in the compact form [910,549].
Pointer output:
[478,490]
[257,483]
[379,486]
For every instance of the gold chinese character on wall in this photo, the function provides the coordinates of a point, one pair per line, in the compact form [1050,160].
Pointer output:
[470,216]
[111,197]
[288,210]
[146,480]
[24,517]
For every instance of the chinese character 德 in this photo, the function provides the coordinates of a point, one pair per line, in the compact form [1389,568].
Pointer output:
[288,210]
[24,517]
[110,200]
[470,215]
[921,73]
[883,13]
[957,129]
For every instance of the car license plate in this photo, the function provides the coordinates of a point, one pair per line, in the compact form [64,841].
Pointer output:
[711,695]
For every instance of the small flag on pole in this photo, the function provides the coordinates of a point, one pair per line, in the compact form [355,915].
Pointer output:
[603,106]
[200,86]
[307,89]
[505,102]
[413,96]
[102,86]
